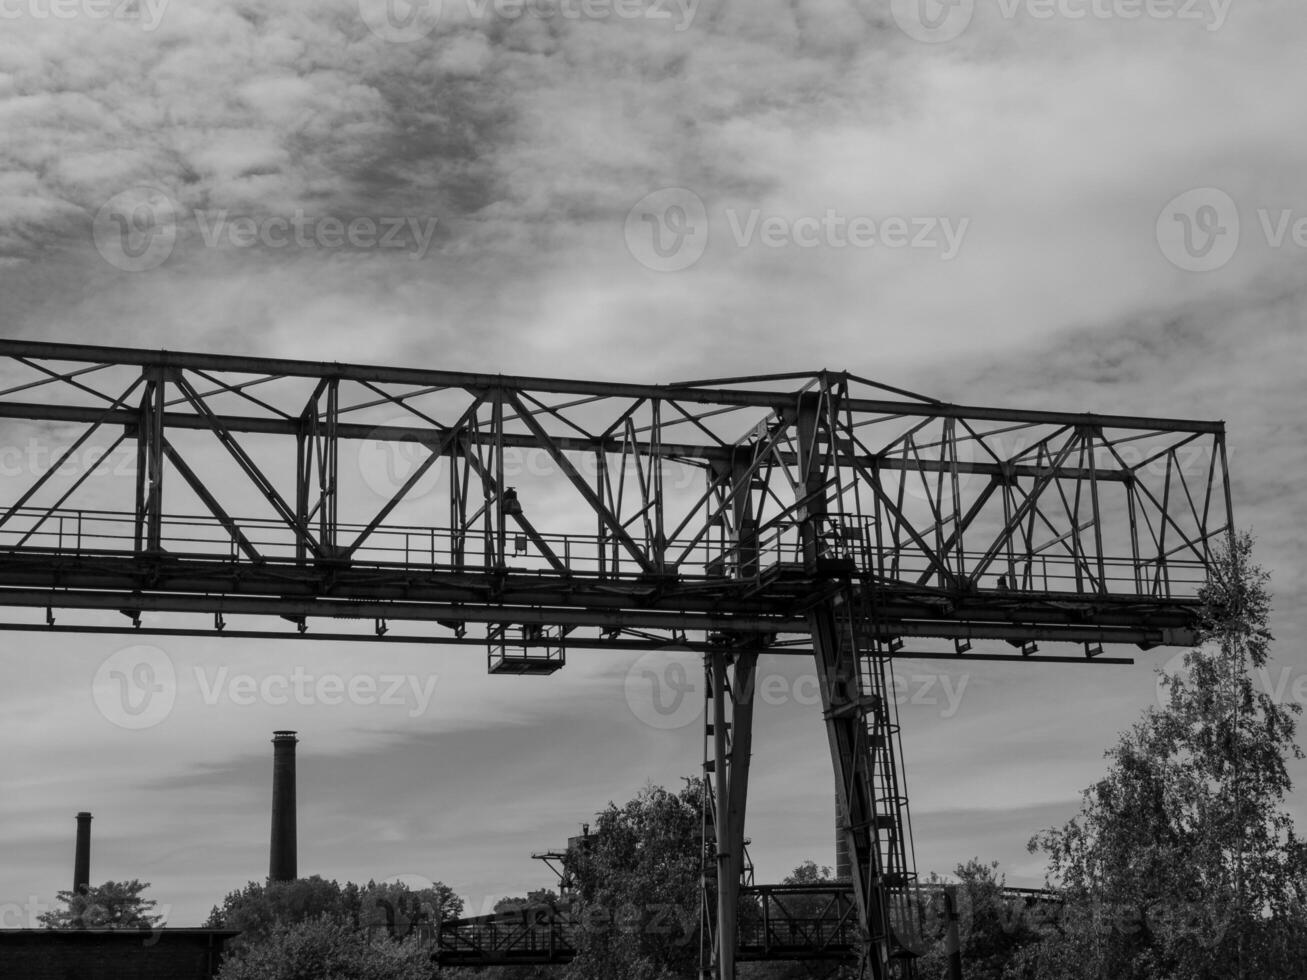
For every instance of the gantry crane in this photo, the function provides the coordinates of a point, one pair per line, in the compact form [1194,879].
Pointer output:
[808,514]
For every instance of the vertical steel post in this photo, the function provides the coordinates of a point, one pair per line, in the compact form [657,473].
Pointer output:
[328,471]
[727,890]
[836,659]
[149,455]
[952,947]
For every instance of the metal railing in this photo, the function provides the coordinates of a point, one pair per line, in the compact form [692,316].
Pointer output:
[77,533]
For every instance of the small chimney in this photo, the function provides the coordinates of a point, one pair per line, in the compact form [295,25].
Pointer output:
[82,857]
[281,863]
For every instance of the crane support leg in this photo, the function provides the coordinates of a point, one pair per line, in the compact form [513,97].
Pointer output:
[846,727]
[729,741]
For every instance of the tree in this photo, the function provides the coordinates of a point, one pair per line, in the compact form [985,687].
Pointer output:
[402,910]
[1182,861]
[637,884]
[257,909]
[327,948]
[113,905]
[992,927]
[808,873]
[391,908]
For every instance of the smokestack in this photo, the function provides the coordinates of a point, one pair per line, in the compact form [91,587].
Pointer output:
[82,857]
[281,863]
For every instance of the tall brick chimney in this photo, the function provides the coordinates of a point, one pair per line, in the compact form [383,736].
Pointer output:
[281,862]
[82,856]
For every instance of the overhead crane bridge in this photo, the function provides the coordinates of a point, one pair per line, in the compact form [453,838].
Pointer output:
[810,514]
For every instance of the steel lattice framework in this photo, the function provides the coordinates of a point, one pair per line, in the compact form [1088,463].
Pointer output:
[814,513]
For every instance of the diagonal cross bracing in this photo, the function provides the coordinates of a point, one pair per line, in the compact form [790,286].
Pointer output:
[950,509]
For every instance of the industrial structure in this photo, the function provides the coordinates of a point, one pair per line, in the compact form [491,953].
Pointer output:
[282,848]
[82,855]
[814,514]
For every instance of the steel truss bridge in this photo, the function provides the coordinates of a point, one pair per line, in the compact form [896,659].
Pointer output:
[814,514]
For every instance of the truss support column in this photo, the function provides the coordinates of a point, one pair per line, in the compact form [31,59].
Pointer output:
[728,892]
[301,495]
[149,455]
[328,471]
[952,947]
[846,729]
[836,659]
[730,675]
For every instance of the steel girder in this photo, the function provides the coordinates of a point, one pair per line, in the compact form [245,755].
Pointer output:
[295,489]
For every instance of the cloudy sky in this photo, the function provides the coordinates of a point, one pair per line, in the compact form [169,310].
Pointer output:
[1071,204]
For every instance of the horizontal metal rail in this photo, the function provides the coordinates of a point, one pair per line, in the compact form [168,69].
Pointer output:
[426,378]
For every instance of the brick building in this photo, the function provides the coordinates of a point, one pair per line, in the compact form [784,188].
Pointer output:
[123,954]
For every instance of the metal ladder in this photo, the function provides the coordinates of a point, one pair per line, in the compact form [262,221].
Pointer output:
[895,873]
[708,879]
